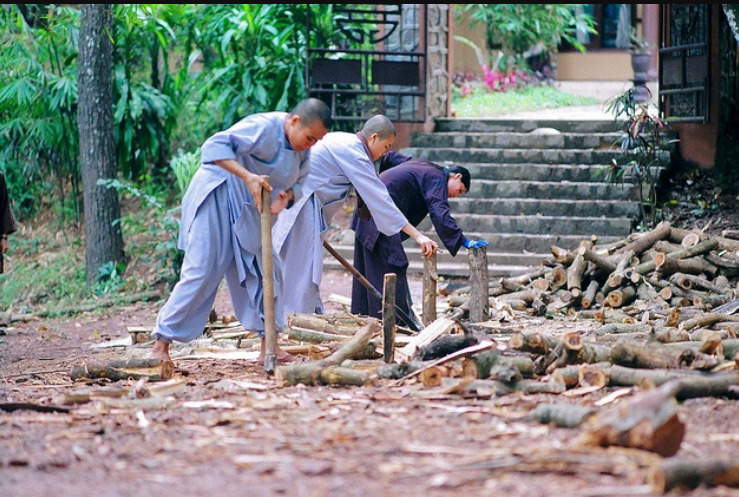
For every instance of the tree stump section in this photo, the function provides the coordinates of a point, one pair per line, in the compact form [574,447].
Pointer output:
[151,369]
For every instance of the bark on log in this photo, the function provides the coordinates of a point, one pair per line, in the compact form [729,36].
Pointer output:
[444,345]
[321,323]
[562,415]
[690,473]
[649,421]
[309,373]
[151,369]
[652,355]
[646,240]
[388,317]
[478,284]
[701,248]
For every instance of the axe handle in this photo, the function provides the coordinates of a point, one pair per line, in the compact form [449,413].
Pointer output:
[354,271]
[374,291]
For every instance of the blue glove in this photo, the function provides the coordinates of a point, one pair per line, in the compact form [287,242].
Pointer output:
[474,244]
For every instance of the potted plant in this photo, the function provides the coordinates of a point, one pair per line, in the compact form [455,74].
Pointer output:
[645,147]
[641,56]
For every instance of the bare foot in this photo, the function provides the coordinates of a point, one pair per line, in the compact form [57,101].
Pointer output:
[282,355]
[161,351]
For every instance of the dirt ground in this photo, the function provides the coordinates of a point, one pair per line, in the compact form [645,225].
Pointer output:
[232,429]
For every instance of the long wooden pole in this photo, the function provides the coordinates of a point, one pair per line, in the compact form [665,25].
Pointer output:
[270,334]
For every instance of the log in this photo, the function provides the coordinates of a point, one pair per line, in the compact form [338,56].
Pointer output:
[427,335]
[310,373]
[695,265]
[648,421]
[701,248]
[707,319]
[444,345]
[647,239]
[588,296]
[318,322]
[575,271]
[601,262]
[116,370]
[562,415]
[621,296]
[689,473]
[466,386]
[480,365]
[653,355]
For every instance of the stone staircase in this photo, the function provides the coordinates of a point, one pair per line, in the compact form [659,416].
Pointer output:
[534,184]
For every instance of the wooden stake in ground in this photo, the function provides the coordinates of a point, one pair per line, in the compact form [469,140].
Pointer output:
[388,316]
[478,284]
[430,278]
[270,334]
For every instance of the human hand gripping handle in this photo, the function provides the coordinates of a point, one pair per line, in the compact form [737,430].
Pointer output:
[255,183]
[428,246]
[473,244]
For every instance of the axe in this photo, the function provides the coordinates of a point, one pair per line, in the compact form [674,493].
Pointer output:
[399,313]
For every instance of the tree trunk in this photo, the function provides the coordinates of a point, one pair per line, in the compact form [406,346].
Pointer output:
[103,237]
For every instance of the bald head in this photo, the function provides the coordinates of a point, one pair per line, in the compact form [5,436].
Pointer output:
[381,125]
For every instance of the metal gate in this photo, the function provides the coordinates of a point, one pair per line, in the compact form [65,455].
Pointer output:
[685,62]
[375,64]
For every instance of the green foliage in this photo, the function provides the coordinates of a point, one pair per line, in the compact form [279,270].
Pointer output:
[253,59]
[184,165]
[645,149]
[38,107]
[519,28]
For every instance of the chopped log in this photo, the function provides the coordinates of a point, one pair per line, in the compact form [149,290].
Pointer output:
[653,355]
[433,376]
[707,319]
[427,335]
[304,335]
[563,256]
[588,296]
[340,376]
[615,279]
[601,262]
[648,421]
[557,277]
[444,345]
[562,415]
[484,345]
[618,328]
[701,248]
[318,322]
[688,281]
[151,369]
[646,240]
[728,267]
[309,373]
[689,473]
[621,296]
[481,365]
[575,271]
[695,265]
[532,342]
[466,386]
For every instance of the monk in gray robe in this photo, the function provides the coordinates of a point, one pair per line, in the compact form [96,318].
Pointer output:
[220,230]
[339,162]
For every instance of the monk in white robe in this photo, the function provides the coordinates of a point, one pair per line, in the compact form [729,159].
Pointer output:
[220,230]
[339,162]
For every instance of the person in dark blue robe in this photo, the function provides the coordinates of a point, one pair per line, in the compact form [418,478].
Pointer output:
[419,188]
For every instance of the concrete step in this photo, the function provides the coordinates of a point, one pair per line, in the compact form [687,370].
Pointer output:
[571,225]
[515,155]
[535,172]
[537,139]
[549,207]
[548,190]
[490,125]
